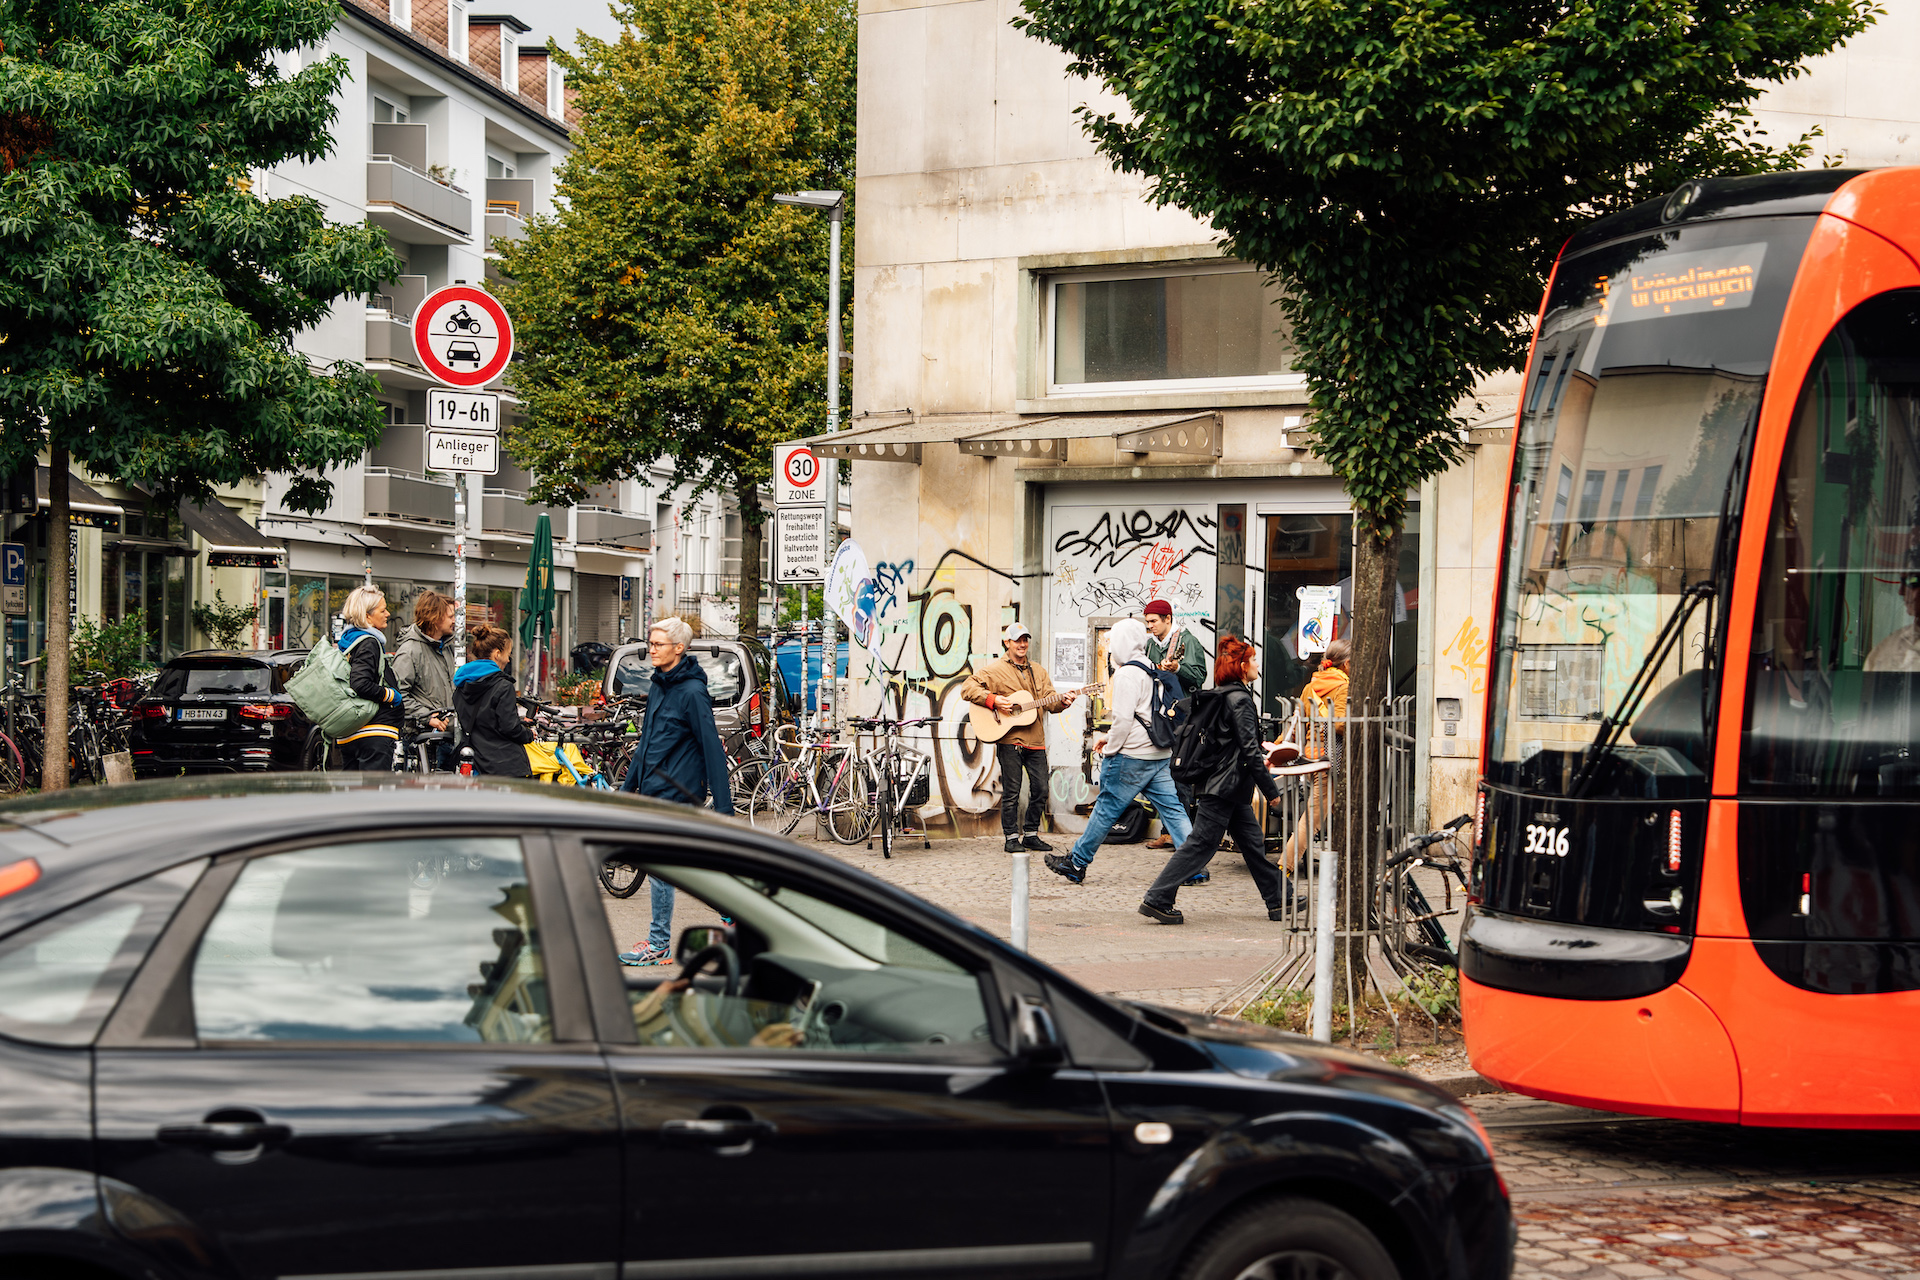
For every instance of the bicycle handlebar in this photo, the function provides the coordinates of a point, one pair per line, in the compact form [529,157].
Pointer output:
[1419,844]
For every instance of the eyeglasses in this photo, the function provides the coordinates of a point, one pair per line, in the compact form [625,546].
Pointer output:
[659,644]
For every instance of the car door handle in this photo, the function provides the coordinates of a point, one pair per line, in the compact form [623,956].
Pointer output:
[226,1135]
[737,1133]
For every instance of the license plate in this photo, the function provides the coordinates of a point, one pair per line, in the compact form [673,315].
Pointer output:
[201,713]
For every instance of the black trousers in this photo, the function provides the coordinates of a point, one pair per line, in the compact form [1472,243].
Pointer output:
[368,755]
[1218,816]
[1013,760]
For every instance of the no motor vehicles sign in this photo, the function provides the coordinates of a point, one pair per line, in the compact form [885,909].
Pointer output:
[462,336]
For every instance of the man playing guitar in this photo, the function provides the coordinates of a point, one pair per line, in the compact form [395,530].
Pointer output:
[1024,749]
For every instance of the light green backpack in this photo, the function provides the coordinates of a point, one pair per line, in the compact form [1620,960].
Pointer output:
[321,691]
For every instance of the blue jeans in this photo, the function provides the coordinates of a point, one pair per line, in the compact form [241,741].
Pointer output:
[660,932]
[1121,779]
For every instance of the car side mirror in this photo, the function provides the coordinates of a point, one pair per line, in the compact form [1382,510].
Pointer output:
[698,938]
[1036,1037]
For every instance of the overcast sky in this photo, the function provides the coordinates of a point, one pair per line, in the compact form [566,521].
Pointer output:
[558,19]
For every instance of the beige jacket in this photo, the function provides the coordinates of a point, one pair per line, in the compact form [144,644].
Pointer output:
[1000,678]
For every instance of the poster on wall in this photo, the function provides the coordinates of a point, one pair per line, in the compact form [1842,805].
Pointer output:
[850,592]
[1069,659]
[1319,607]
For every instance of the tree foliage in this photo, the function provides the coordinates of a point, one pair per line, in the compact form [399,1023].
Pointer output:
[670,311]
[1407,169]
[148,298]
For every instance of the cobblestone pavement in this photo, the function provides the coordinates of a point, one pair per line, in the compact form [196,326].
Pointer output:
[1601,1196]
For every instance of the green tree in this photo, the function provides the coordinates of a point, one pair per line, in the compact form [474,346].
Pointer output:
[1407,170]
[227,625]
[670,311]
[148,299]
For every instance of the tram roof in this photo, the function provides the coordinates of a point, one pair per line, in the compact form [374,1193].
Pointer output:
[1762,195]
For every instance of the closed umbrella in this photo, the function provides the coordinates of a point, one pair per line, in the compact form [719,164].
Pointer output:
[536,598]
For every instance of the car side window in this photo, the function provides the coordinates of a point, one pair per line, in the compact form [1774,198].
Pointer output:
[782,968]
[428,939]
[631,674]
[60,978]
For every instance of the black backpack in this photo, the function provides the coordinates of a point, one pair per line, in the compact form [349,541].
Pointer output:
[1204,739]
[1169,709]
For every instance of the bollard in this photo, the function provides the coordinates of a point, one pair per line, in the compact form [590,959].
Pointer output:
[1323,946]
[1021,863]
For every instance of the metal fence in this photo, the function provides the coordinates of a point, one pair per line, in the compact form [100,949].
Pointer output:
[1352,767]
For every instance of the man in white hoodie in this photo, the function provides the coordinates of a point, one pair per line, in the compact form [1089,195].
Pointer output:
[1130,764]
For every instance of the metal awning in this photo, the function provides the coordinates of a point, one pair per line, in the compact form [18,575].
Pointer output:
[1045,439]
[303,531]
[898,437]
[159,546]
[231,541]
[90,507]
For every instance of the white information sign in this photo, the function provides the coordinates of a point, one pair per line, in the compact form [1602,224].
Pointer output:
[798,477]
[800,544]
[462,410]
[1319,607]
[470,451]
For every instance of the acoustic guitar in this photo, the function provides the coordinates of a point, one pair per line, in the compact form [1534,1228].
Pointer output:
[1014,710]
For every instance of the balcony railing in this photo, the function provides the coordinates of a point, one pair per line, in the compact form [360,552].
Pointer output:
[393,493]
[392,181]
[389,338]
[696,586]
[508,511]
[609,527]
[504,225]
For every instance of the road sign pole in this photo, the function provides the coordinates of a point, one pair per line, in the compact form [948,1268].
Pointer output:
[459,567]
[829,630]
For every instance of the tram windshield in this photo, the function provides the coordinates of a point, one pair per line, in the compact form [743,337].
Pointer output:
[1636,422]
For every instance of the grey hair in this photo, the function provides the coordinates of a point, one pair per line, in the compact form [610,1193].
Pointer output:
[678,632]
[360,602]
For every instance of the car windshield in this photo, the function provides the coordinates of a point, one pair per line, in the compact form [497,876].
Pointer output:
[725,674]
[231,676]
[1636,419]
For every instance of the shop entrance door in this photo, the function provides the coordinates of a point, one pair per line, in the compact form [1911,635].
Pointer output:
[1301,550]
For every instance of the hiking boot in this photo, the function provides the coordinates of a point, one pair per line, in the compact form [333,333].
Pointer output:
[1064,867]
[1167,916]
[1036,844]
[1014,845]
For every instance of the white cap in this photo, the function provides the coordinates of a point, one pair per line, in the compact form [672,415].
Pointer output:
[1017,631]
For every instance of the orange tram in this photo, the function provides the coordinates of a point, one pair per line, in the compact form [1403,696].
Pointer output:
[1696,876]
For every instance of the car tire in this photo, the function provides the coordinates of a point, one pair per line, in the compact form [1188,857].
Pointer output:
[1290,1238]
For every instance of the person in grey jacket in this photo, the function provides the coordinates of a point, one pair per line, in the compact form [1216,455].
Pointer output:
[423,665]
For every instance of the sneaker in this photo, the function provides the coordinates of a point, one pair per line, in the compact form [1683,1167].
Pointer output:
[1014,845]
[1167,916]
[1064,867]
[1198,877]
[646,956]
[1036,844]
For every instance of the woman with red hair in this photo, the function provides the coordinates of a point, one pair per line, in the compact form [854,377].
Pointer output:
[1226,793]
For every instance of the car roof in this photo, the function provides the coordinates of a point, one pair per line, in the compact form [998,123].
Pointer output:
[88,840]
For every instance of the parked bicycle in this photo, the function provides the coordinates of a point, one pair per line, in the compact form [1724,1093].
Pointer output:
[822,778]
[1417,924]
[898,777]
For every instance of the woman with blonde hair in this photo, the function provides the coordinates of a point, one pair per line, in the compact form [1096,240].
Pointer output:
[374,745]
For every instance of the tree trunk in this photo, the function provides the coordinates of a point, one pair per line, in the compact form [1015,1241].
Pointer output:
[53,760]
[753,532]
[1356,831]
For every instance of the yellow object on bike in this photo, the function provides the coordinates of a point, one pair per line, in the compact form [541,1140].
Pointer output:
[544,759]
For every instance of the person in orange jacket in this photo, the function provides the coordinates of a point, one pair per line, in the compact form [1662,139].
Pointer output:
[1326,700]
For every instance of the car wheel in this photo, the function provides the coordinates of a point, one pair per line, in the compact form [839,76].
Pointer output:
[1288,1238]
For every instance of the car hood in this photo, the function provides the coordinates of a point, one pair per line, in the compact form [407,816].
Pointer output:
[1255,1052]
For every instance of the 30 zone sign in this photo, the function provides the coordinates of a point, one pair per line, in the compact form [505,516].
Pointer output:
[797,477]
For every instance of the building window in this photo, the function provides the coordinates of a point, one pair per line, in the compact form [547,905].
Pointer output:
[556,91]
[509,60]
[385,112]
[499,168]
[1136,332]
[400,12]
[457,29]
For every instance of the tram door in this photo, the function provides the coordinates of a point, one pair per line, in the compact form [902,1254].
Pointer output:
[1310,551]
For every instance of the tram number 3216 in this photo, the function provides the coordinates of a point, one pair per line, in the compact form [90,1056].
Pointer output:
[1546,841]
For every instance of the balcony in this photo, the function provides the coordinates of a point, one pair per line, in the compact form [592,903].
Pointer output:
[507,511]
[390,354]
[607,527]
[408,497]
[414,207]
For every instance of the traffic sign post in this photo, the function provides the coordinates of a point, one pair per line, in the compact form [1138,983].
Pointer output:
[462,336]
[800,543]
[798,478]
[463,410]
[13,577]
[473,452]
[800,536]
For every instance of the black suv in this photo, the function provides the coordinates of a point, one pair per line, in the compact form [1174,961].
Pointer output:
[220,711]
[356,1025]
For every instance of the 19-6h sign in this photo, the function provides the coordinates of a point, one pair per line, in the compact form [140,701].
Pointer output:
[797,476]
[462,336]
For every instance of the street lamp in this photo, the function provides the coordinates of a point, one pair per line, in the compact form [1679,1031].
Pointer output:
[834,203]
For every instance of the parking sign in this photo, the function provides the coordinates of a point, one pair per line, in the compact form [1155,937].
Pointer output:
[13,577]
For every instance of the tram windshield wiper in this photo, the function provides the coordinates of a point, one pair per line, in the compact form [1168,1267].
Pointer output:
[1606,744]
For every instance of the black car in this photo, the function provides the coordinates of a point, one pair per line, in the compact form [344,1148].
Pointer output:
[220,711]
[353,1025]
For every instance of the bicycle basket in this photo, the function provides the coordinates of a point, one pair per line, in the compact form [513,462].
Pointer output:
[919,793]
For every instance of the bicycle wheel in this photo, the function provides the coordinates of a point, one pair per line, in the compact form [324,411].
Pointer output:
[744,776]
[13,769]
[778,800]
[620,877]
[851,811]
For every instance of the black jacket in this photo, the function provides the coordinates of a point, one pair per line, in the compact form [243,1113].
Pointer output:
[680,757]
[370,677]
[490,719]
[1242,761]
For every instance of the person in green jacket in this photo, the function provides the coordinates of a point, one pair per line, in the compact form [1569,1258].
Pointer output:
[1188,662]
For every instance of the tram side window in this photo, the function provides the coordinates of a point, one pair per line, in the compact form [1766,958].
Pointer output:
[1833,691]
